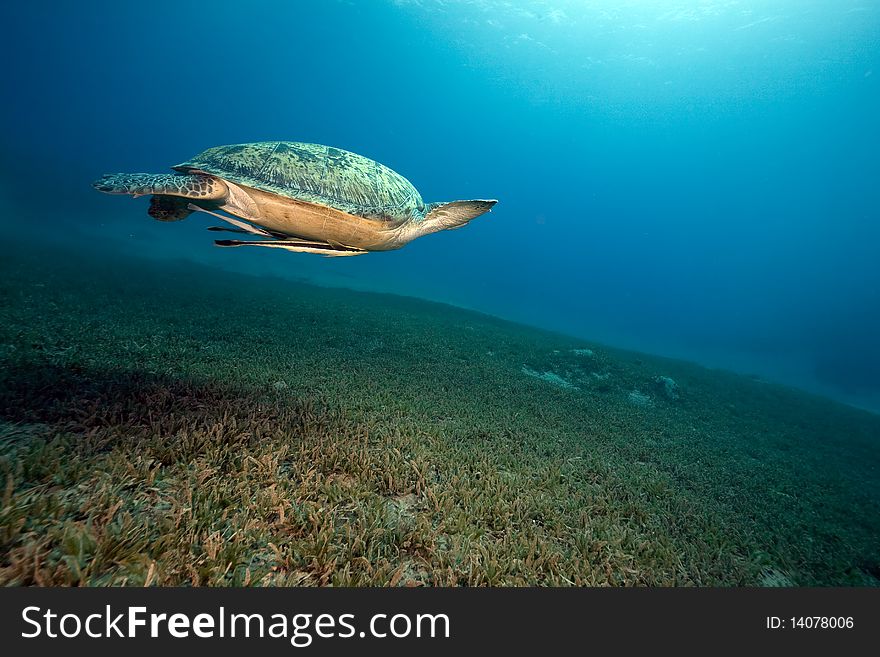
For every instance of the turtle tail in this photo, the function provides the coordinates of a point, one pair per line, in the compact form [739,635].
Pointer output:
[190,185]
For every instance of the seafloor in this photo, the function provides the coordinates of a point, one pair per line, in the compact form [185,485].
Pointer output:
[172,424]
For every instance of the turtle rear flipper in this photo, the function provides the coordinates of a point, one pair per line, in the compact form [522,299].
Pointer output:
[191,186]
[168,208]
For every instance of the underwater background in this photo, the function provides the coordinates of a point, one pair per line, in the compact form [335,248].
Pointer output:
[692,179]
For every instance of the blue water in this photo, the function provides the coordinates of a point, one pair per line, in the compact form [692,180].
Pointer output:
[690,178]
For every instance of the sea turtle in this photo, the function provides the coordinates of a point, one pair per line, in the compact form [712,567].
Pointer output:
[298,197]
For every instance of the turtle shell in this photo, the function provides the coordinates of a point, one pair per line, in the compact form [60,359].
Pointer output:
[316,174]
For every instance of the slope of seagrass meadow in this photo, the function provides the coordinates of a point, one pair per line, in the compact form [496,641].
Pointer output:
[167,424]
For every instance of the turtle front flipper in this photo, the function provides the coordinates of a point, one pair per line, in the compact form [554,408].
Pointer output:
[190,185]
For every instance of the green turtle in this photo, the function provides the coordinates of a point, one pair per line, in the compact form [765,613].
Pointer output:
[294,196]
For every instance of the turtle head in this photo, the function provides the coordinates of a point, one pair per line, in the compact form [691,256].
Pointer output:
[455,214]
